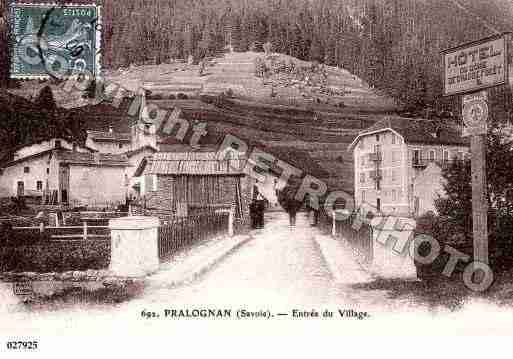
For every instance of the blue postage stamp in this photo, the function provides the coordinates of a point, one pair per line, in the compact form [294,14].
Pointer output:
[54,40]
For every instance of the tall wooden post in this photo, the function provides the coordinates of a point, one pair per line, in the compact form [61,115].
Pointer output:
[470,75]
[475,116]
[479,198]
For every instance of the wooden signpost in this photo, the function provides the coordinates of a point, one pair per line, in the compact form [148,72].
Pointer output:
[469,70]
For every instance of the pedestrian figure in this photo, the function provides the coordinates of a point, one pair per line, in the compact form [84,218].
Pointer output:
[286,198]
[292,218]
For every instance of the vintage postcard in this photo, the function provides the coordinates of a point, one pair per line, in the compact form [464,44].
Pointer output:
[189,174]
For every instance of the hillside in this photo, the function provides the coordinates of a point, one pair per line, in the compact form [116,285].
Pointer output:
[301,119]
[236,71]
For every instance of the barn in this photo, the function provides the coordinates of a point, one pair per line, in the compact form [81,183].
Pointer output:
[186,183]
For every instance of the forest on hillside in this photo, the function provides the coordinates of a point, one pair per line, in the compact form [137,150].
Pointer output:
[394,45]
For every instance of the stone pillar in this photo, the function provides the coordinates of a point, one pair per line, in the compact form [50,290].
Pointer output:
[231,219]
[134,246]
[334,224]
[231,231]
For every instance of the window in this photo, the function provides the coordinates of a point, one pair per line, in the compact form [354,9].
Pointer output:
[394,175]
[377,138]
[39,185]
[362,177]
[394,195]
[26,169]
[460,155]
[47,171]
[377,148]
[416,157]
[378,185]
[446,155]
[363,196]
[20,189]
[57,143]
[395,156]
[432,155]
[378,204]
[120,145]
[149,183]
[393,138]
[155,181]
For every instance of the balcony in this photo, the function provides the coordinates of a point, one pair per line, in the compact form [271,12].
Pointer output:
[419,163]
[376,175]
[376,157]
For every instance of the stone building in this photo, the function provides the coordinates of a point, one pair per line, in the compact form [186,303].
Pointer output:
[55,171]
[398,161]
[184,183]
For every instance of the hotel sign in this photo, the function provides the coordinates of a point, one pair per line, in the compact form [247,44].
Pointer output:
[475,66]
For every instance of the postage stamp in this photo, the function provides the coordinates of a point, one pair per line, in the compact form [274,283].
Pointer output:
[54,40]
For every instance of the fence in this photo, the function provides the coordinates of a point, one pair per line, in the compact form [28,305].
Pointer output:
[360,240]
[83,232]
[178,233]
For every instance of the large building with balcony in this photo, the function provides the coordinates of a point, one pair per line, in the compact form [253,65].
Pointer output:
[398,164]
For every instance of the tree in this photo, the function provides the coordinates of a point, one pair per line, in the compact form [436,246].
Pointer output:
[206,45]
[260,67]
[45,100]
[457,205]
[236,35]
[315,53]
[95,90]
[268,47]
[4,52]
[188,46]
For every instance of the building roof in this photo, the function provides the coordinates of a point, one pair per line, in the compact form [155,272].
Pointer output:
[109,136]
[140,149]
[10,163]
[191,163]
[418,131]
[92,159]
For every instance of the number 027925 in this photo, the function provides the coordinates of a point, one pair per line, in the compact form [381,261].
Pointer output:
[22,345]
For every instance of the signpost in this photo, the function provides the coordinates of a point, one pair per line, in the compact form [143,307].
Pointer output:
[468,69]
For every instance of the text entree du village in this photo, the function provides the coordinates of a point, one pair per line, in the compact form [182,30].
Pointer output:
[215,313]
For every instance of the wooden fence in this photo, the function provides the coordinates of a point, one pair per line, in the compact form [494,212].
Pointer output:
[84,232]
[178,233]
[359,237]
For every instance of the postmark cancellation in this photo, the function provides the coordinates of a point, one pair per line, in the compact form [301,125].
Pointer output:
[52,40]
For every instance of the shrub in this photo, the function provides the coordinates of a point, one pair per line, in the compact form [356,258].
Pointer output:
[229,93]
[260,67]
[279,66]
[171,96]
[157,97]
[445,232]
[256,46]
[182,96]
[268,47]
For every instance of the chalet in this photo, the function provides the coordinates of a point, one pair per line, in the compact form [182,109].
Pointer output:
[398,161]
[182,183]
